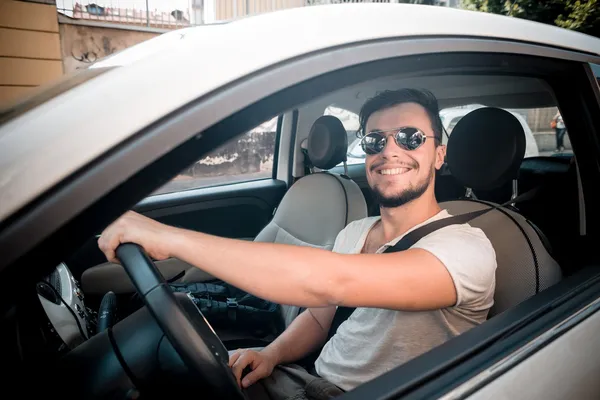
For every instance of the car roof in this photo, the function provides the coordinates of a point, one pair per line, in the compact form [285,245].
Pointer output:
[53,140]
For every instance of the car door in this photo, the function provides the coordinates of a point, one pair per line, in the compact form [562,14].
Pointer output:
[231,192]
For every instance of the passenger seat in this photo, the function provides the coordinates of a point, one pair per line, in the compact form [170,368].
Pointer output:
[318,206]
[484,153]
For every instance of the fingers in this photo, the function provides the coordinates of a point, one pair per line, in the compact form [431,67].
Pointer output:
[233,358]
[254,376]
[241,360]
[110,238]
[105,244]
[239,364]
[245,359]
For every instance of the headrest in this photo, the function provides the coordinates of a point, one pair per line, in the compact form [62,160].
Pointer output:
[486,148]
[327,142]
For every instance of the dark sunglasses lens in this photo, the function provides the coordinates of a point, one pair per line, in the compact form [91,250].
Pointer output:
[373,143]
[410,138]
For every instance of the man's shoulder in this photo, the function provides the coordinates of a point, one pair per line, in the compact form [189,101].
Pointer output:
[470,258]
[462,239]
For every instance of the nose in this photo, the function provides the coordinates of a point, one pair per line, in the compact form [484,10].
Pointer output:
[391,148]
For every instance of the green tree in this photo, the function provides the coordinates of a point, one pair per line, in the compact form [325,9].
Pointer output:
[583,16]
[578,15]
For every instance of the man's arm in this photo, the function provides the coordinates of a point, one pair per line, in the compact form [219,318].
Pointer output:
[305,334]
[410,280]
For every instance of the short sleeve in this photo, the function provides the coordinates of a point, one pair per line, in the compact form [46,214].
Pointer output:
[349,239]
[345,239]
[469,257]
[339,239]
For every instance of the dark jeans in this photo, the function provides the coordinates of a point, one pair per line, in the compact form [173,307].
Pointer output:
[560,134]
[292,382]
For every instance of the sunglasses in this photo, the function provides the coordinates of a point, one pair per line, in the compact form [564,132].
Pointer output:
[407,138]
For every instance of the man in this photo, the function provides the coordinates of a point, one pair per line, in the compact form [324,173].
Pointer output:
[560,129]
[407,302]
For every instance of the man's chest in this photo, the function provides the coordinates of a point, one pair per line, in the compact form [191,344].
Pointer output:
[373,242]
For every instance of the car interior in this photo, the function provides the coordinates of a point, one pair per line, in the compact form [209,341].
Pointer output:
[299,216]
[313,194]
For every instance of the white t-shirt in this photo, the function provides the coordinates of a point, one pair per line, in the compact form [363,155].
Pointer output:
[373,341]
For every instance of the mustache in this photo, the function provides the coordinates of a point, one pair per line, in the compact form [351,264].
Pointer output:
[413,165]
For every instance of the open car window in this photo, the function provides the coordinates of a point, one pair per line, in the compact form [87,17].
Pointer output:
[541,137]
[355,154]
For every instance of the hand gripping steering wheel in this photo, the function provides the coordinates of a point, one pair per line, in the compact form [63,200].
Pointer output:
[182,322]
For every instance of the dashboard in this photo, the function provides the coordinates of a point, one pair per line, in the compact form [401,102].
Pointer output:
[63,301]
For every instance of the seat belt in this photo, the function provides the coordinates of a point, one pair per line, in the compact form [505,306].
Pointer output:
[343,313]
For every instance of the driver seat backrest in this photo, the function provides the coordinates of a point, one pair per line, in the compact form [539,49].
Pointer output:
[319,205]
[484,152]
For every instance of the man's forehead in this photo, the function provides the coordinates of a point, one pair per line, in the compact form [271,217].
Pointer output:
[399,115]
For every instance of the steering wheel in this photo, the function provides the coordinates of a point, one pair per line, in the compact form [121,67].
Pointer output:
[181,321]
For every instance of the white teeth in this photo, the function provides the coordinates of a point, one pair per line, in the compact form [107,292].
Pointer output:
[393,171]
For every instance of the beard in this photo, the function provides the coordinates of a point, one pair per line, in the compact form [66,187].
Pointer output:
[405,196]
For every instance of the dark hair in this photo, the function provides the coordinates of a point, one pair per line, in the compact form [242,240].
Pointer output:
[391,98]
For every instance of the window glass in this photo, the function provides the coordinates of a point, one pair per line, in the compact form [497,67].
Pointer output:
[596,71]
[356,155]
[545,131]
[246,158]
[543,136]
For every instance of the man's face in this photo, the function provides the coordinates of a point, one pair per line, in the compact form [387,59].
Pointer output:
[395,175]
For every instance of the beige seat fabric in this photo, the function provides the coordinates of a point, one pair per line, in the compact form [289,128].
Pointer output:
[312,213]
[524,265]
[318,206]
[485,151]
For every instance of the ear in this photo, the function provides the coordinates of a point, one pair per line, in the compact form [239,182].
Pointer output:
[440,156]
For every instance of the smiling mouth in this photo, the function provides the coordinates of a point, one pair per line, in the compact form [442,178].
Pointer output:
[393,171]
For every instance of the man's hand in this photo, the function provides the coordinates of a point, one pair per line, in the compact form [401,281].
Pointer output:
[154,237]
[260,363]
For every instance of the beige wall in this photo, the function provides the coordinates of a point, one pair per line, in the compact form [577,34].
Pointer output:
[229,9]
[84,44]
[30,52]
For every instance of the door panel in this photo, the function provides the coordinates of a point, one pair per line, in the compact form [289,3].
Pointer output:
[105,277]
[567,368]
[238,210]
[235,211]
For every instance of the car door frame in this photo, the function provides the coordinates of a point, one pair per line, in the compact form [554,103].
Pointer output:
[128,165]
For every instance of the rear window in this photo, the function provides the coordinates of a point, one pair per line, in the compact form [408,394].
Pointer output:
[545,131]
